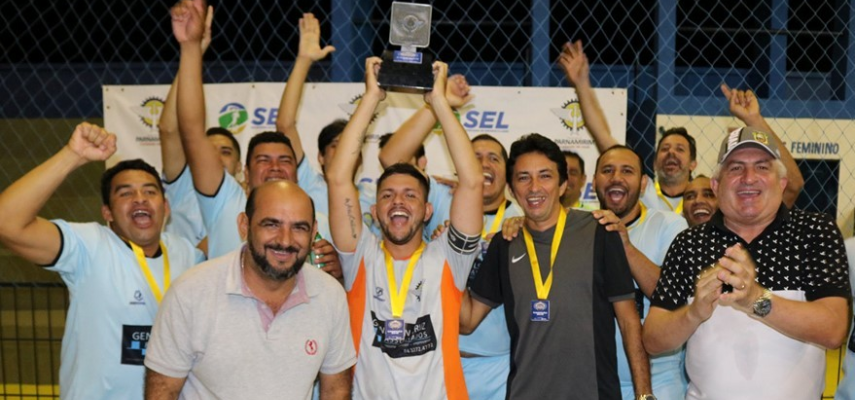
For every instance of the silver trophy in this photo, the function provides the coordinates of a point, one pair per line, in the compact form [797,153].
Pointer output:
[408,69]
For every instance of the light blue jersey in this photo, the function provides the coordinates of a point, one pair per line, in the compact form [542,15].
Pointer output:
[652,235]
[846,387]
[440,197]
[316,187]
[655,200]
[487,375]
[220,213]
[112,309]
[185,219]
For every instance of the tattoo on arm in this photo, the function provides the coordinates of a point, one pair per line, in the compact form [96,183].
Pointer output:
[349,206]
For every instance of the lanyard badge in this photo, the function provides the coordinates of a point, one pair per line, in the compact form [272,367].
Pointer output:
[540,310]
[395,328]
[152,283]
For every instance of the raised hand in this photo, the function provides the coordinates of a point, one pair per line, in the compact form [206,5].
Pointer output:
[574,63]
[206,35]
[188,21]
[372,68]
[92,143]
[743,104]
[457,91]
[310,39]
[440,80]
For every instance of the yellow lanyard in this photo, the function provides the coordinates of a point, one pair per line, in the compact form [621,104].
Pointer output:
[678,210]
[641,218]
[542,288]
[155,289]
[398,296]
[500,214]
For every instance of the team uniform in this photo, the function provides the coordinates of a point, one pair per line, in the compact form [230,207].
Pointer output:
[112,309]
[229,344]
[846,387]
[422,360]
[220,213]
[440,197]
[486,351]
[652,234]
[799,256]
[572,355]
[185,219]
[655,199]
[314,184]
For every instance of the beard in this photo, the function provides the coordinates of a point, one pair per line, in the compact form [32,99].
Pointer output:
[630,200]
[672,178]
[401,240]
[268,270]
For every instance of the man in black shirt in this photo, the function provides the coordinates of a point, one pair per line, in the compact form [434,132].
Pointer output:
[758,291]
[562,326]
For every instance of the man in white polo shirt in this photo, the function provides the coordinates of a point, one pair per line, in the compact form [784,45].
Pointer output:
[256,323]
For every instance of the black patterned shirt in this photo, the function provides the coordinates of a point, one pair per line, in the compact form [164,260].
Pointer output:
[799,250]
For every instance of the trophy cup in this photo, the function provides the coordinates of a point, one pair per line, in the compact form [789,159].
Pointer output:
[407,69]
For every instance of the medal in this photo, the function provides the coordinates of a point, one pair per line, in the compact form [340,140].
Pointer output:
[540,307]
[394,330]
[540,310]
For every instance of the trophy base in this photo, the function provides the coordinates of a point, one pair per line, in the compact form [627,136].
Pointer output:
[406,74]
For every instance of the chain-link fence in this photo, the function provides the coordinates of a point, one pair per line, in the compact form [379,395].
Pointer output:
[671,56]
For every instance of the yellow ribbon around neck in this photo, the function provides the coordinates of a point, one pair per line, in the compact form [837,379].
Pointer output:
[678,210]
[500,214]
[152,283]
[641,218]
[542,288]
[398,296]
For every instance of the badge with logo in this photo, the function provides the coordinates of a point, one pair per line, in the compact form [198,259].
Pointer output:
[395,330]
[134,343]
[138,299]
[540,310]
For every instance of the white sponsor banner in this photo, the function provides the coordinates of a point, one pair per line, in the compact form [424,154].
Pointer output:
[811,139]
[506,113]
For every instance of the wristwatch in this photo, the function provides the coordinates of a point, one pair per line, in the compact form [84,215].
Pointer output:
[646,397]
[763,305]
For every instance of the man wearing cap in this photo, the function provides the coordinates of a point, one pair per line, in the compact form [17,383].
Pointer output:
[846,387]
[676,152]
[759,291]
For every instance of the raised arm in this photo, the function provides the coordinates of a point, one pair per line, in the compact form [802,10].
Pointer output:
[745,106]
[188,19]
[309,52]
[22,231]
[467,197]
[345,213]
[574,63]
[171,151]
[406,140]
